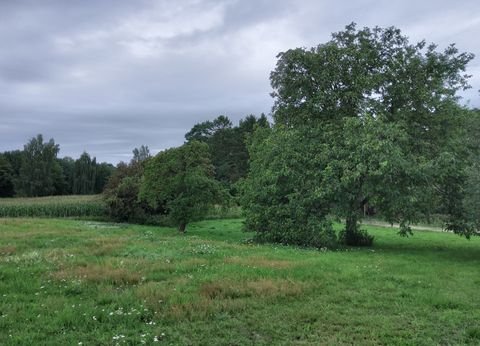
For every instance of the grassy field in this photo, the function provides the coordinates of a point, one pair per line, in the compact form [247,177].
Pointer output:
[67,282]
[53,206]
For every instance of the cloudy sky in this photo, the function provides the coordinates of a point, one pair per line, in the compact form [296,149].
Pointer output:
[105,76]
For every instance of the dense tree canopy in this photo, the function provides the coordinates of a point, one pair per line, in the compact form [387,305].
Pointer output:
[227,144]
[121,192]
[84,175]
[283,197]
[388,126]
[37,171]
[40,170]
[207,129]
[471,202]
[182,180]
[6,178]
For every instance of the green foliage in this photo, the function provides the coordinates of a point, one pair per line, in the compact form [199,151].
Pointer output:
[471,202]
[84,175]
[359,237]
[227,144]
[203,131]
[102,174]
[367,162]
[283,197]
[15,159]
[36,171]
[57,206]
[121,193]
[6,178]
[181,180]
[40,170]
[368,71]
[123,201]
[68,175]
[387,129]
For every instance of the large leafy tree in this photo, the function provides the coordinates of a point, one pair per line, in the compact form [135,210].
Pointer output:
[389,120]
[84,175]
[40,171]
[182,180]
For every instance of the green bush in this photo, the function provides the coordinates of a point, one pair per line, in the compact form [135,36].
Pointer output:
[122,201]
[121,194]
[358,238]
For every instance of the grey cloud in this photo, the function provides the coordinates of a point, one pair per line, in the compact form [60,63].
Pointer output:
[109,75]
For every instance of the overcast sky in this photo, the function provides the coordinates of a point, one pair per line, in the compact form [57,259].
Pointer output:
[105,76]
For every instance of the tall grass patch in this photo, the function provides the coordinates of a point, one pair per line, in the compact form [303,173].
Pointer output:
[54,207]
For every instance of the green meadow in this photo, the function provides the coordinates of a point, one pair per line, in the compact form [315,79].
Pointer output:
[72,282]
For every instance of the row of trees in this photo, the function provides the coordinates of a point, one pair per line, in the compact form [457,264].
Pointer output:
[179,185]
[227,144]
[37,171]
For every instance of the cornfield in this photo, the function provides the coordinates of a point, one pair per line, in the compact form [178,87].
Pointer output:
[54,206]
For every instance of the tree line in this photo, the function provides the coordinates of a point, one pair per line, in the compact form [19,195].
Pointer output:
[366,120]
[37,171]
[179,185]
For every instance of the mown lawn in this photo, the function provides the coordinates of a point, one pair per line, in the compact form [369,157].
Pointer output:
[67,282]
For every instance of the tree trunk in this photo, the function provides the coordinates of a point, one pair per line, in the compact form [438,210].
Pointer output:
[182,227]
[353,235]
[351,226]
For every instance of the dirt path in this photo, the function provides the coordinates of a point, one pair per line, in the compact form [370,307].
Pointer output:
[396,225]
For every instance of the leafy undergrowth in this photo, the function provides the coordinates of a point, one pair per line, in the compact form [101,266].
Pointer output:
[66,282]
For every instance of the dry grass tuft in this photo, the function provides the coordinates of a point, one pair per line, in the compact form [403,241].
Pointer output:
[99,274]
[260,288]
[205,308]
[194,262]
[260,262]
[57,255]
[7,250]
[105,247]
[153,293]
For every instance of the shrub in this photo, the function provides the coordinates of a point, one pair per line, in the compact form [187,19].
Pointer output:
[121,194]
[358,238]
[122,201]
